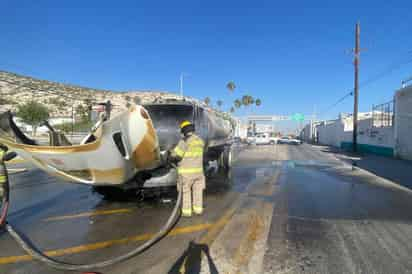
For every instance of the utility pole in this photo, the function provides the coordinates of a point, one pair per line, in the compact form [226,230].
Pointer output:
[356,89]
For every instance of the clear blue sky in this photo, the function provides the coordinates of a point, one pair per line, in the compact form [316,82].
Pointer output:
[291,54]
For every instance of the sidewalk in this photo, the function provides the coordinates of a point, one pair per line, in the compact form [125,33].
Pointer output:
[398,171]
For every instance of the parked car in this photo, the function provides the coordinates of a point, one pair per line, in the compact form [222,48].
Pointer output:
[250,140]
[237,140]
[265,139]
[289,140]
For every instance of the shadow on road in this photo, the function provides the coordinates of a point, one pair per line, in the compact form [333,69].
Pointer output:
[396,170]
[191,260]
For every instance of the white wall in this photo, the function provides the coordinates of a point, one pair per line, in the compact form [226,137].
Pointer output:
[375,136]
[403,123]
[331,132]
[60,120]
[335,132]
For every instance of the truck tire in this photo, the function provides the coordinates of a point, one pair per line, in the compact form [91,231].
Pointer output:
[226,165]
[226,158]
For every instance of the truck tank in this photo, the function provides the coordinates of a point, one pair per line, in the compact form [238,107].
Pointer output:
[167,116]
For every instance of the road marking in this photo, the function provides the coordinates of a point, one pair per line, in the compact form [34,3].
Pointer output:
[88,214]
[105,244]
[213,231]
[16,170]
[16,161]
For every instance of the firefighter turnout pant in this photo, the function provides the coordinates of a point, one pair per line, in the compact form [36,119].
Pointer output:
[3,174]
[192,188]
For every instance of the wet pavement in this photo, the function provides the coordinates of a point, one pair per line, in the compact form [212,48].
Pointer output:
[289,209]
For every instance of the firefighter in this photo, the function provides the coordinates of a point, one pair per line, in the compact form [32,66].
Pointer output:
[3,175]
[189,155]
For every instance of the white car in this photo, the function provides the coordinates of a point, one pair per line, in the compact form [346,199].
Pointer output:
[289,140]
[250,140]
[265,139]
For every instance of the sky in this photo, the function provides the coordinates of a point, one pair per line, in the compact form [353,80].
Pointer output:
[293,55]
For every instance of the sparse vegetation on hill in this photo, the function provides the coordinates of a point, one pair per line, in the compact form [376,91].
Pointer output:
[59,98]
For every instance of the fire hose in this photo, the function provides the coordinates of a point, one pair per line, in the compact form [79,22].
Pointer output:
[25,244]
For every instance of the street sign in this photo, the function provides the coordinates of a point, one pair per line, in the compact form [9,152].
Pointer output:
[298,117]
[267,118]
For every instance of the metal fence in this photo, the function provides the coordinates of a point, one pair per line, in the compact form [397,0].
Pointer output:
[382,115]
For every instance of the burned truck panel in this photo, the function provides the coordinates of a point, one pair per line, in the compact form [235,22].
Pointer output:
[167,117]
[166,120]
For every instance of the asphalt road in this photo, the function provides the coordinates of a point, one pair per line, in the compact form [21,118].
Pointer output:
[289,209]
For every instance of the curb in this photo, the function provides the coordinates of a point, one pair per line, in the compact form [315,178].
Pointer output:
[383,181]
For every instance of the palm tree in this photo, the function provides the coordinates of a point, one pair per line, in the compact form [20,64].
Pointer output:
[231,86]
[207,101]
[258,102]
[219,103]
[232,109]
[247,100]
[238,103]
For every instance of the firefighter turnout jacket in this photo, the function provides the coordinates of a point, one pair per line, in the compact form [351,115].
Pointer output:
[190,150]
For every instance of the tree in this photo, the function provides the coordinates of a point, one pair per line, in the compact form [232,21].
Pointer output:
[207,101]
[219,103]
[88,101]
[127,98]
[80,110]
[231,86]
[245,100]
[232,109]
[137,100]
[258,102]
[32,113]
[83,112]
[238,103]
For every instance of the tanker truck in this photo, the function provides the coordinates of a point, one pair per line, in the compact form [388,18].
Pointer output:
[213,127]
[124,151]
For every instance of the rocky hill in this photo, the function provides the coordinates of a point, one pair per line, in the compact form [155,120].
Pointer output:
[61,99]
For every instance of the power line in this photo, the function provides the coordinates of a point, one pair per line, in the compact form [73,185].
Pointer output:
[384,73]
[337,102]
[369,81]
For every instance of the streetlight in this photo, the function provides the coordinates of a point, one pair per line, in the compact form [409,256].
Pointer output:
[182,74]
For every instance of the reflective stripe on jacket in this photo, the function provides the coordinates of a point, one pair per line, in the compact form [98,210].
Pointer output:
[191,152]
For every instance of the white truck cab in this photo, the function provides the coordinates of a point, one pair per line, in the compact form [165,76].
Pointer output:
[265,139]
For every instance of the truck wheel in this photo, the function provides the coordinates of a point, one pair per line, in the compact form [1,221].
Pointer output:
[226,158]
[272,142]
[226,166]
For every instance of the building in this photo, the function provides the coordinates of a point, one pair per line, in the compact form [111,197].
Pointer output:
[375,132]
[403,121]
